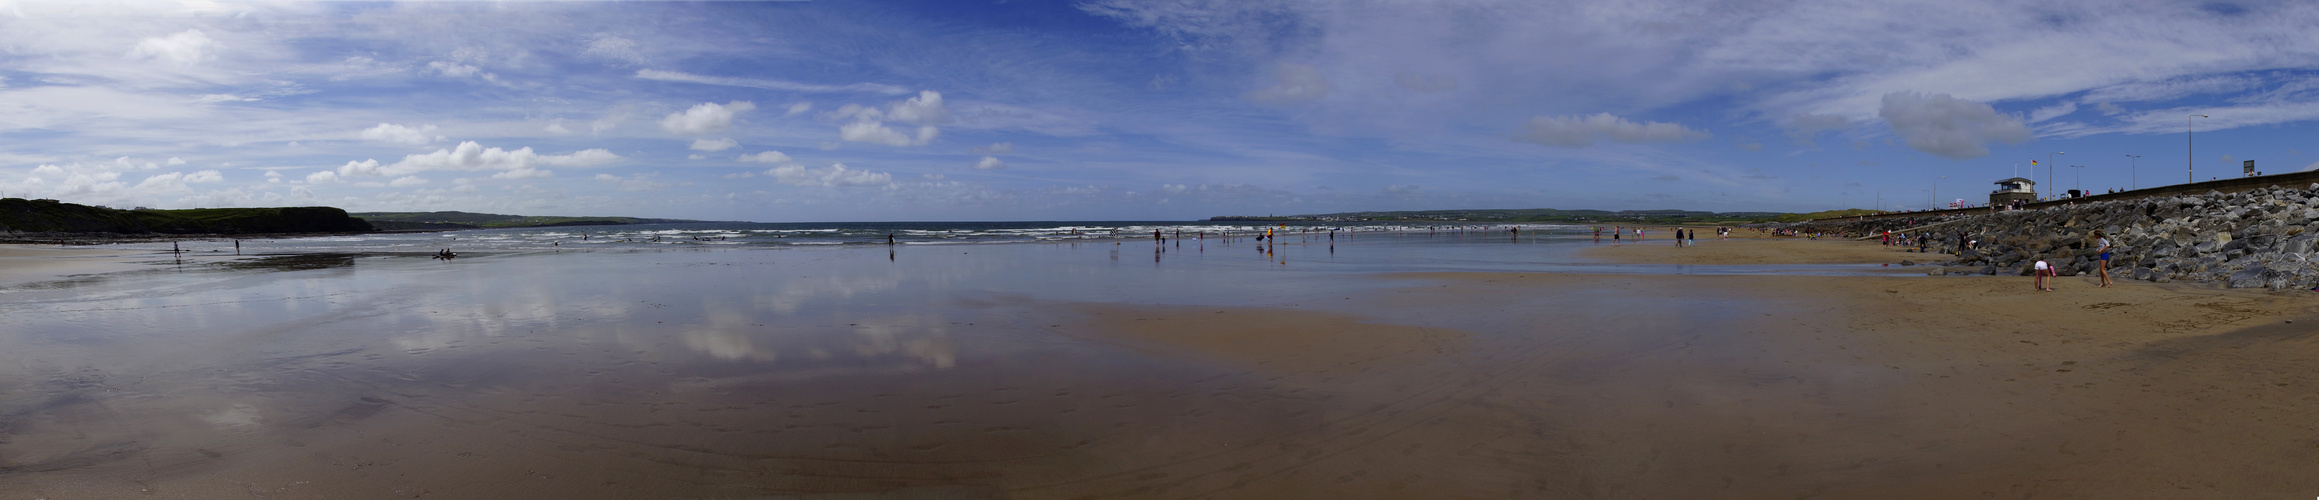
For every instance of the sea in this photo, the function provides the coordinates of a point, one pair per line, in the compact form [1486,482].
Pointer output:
[813,234]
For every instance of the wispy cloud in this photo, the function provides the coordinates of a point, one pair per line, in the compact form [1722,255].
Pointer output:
[768,84]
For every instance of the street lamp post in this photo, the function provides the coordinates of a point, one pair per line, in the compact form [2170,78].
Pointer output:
[1928,203]
[2133,175]
[2049,169]
[1936,190]
[2190,145]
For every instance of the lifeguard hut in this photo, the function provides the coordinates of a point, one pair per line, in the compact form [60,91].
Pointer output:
[2013,189]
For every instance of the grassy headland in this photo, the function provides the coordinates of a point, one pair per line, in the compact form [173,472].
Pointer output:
[51,216]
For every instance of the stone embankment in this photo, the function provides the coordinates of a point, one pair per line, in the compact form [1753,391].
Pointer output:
[2257,238]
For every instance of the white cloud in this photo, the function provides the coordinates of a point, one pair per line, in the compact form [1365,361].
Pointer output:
[799,108]
[2052,112]
[184,48]
[398,134]
[1582,131]
[696,156]
[836,175]
[364,168]
[523,173]
[406,181]
[998,148]
[470,156]
[323,177]
[989,163]
[1297,82]
[925,109]
[176,181]
[274,177]
[766,157]
[2108,109]
[705,118]
[556,128]
[613,48]
[714,145]
[759,83]
[1949,127]
[175,161]
[869,123]
[611,119]
[879,133]
[456,70]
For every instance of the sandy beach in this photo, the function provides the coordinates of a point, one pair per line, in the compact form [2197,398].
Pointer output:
[1052,371]
[20,264]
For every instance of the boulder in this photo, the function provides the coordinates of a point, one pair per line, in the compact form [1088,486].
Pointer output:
[2299,245]
[2251,277]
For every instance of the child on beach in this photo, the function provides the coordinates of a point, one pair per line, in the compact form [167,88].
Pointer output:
[2103,243]
[2043,270]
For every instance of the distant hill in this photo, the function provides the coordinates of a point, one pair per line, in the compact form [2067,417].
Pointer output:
[1548,215]
[51,216]
[400,221]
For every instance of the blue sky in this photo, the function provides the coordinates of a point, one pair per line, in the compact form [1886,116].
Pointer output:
[1130,110]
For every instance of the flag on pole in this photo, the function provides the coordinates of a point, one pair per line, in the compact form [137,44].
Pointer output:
[2033,163]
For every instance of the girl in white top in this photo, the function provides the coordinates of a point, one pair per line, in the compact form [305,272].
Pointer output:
[2104,244]
[2043,270]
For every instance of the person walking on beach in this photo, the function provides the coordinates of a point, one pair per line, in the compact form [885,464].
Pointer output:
[2102,241]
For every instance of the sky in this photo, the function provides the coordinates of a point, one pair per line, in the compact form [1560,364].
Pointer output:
[965,110]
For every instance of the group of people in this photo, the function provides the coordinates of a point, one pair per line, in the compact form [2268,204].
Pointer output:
[1683,236]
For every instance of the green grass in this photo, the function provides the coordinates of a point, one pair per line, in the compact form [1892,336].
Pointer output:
[20,214]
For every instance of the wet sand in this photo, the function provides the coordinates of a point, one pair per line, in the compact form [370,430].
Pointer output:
[1051,372]
[20,264]
[1755,250]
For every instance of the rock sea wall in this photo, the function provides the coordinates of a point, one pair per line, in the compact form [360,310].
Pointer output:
[2263,237]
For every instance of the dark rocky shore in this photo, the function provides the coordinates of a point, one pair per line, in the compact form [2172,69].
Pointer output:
[2257,238]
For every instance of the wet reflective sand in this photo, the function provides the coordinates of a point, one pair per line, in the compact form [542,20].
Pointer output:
[1090,370]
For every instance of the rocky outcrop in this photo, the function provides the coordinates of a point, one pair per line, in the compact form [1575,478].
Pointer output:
[2259,238]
